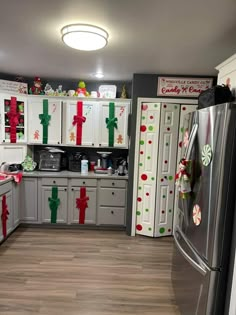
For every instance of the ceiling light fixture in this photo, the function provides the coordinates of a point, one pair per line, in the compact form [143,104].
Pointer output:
[84,37]
[99,75]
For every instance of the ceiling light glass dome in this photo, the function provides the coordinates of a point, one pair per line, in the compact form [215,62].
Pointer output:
[84,37]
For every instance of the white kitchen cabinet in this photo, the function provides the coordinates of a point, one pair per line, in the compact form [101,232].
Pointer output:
[29,200]
[13,129]
[12,153]
[121,112]
[73,133]
[46,193]
[37,133]
[227,73]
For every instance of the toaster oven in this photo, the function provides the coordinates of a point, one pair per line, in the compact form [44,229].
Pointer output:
[49,161]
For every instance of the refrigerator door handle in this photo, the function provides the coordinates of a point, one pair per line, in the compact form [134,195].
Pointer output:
[192,137]
[201,267]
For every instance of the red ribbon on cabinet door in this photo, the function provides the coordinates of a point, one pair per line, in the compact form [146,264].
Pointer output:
[13,117]
[81,204]
[4,215]
[78,120]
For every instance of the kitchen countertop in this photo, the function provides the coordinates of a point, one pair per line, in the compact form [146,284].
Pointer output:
[69,174]
[4,181]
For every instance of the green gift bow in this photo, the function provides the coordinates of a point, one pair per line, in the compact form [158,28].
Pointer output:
[111,124]
[54,202]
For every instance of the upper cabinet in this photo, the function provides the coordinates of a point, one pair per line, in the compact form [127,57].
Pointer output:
[13,118]
[45,116]
[113,123]
[80,122]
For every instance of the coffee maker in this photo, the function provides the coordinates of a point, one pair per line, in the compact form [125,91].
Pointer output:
[104,158]
[121,166]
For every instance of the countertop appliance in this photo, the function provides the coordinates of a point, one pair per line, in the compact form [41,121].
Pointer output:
[202,260]
[74,160]
[51,161]
[105,156]
[10,168]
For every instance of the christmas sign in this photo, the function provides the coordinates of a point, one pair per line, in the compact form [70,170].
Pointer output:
[13,86]
[182,87]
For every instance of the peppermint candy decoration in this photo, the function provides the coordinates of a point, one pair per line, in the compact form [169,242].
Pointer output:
[206,154]
[197,215]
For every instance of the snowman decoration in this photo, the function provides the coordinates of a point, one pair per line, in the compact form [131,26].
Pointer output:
[182,178]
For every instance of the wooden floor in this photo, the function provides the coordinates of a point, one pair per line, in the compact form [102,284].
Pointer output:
[81,272]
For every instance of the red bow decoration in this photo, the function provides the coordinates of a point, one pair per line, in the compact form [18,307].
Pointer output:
[4,216]
[79,120]
[13,118]
[81,204]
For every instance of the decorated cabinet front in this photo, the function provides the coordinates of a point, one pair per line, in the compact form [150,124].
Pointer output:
[54,204]
[83,208]
[183,139]
[113,124]
[13,118]
[45,116]
[80,122]
[156,147]
[6,210]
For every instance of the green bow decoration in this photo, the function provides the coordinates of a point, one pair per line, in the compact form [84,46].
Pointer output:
[111,124]
[45,119]
[54,203]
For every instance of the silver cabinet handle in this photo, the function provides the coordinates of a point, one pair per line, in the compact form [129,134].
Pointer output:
[192,138]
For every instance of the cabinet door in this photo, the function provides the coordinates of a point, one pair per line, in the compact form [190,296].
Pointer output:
[10,210]
[35,108]
[120,133]
[29,200]
[89,126]
[90,212]
[12,153]
[21,109]
[15,204]
[46,192]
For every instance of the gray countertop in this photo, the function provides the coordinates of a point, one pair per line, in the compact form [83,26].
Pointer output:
[68,174]
[4,181]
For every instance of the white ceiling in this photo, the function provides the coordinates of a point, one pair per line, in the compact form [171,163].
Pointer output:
[152,36]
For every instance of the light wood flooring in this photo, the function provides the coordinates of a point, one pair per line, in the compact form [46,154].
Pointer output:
[82,272]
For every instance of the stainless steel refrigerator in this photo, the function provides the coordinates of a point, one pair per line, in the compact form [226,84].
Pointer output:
[203,235]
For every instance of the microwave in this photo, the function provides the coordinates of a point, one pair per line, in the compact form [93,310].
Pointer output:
[52,161]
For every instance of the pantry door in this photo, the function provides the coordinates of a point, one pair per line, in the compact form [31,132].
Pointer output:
[147,136]
[165,188]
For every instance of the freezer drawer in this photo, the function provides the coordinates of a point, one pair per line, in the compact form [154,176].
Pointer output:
[194,284]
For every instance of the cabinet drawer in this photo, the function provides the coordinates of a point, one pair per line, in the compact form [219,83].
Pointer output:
[83,182]
[54,181]
[113,216]
[112,197]
[5,188]
[113,183]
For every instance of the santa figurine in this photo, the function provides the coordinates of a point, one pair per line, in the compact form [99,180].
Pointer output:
[182,178]
[37,88]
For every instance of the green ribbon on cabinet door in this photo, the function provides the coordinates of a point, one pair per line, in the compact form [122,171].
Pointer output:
[45,119]
[111,124]
[54,202]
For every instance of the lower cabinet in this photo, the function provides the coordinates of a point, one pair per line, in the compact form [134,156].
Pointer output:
[6,204]
[16,203]
[74,194]
[61,212]
[112,202]
[29,200]
[53,188]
